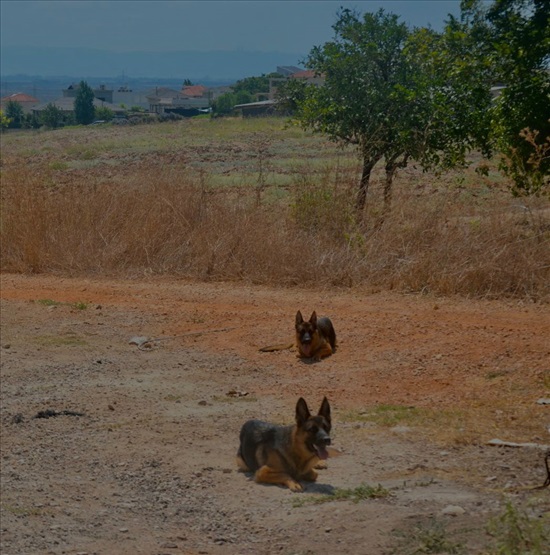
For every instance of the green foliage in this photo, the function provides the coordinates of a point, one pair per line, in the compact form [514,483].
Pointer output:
[51,116]
[104,113]
[4,120]
[84,104]
[224,104]
[14,112]
[362,492]
[516,533]
[31,121]
[254,85]
[519,32]
[399,95]
[432,538]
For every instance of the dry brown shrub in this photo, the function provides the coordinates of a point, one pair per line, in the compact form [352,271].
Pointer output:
[161,222]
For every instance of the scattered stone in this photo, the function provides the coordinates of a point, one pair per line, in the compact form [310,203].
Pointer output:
[236,393]
[49,413]
[17,418]
[539,402]
[138,340]
[501,443]
[6,346]
[453,510]
[169,545]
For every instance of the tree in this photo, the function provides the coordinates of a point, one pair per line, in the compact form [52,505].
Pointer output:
[361,66]
[14,111]
[104,113]
[395,94]
[84,110]
[4,121]
[224,104]
[519,32]
[52,116]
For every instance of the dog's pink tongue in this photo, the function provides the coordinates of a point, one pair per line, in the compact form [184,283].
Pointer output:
[306,349]
[322,452]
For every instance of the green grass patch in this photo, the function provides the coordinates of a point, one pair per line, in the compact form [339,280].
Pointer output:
[78,305]
[515,532]
[23,511]
[58,165]
[426,539]
[48,302]
[360,493]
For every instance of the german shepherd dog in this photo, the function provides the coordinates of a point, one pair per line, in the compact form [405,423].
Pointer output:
[315,338]
[285,454]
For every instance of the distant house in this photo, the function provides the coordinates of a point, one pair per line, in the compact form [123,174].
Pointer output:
[26,101]
[269,106]
[194,91]
[309,76]
[190,101]
[257,109]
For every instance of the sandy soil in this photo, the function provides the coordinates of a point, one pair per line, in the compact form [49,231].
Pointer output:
[143,461]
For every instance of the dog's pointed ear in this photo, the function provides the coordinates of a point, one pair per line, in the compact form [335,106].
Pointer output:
[299,318]
[313,319]
[324,411]
[302,412]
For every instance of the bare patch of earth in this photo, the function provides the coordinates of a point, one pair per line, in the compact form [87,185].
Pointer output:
[139,457]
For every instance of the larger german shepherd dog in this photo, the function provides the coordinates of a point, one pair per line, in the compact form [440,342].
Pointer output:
[285,454]
[316,337]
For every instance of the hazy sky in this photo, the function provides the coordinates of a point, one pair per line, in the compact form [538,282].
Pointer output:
[291,26]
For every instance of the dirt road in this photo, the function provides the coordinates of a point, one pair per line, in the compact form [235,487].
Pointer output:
[139,457]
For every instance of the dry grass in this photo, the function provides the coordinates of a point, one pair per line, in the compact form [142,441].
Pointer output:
[261,204]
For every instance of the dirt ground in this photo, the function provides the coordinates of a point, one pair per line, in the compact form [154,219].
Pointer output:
[143,461]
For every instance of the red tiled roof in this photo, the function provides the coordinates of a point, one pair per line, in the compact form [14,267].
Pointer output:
[20,97]
[194,90]
[306,74]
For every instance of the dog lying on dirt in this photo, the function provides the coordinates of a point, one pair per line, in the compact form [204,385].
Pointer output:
[315,338]
[285,454]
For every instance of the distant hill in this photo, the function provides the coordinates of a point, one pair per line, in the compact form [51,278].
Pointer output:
[220,66]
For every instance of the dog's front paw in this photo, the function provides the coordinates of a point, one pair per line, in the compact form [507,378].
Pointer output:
[294,486]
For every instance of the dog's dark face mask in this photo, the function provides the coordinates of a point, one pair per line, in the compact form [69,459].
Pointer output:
[317,428]
[306,331]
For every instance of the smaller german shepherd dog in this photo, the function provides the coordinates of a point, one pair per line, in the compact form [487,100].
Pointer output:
[315,338]
[285,454]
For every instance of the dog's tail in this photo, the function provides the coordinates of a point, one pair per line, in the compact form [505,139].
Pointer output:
[279,347]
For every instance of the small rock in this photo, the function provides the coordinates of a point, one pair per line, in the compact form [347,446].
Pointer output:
[453,510]
[6,346]
[539,402]
[169,545]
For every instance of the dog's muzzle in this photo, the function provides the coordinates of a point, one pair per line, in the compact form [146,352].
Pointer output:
[322,440]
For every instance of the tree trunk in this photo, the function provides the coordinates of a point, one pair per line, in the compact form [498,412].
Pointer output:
[391,168]
[368,165]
